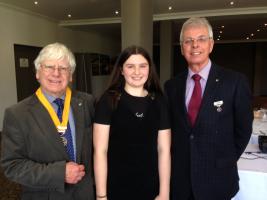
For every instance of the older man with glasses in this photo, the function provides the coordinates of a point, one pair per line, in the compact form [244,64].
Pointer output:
[47,138]
[211,120]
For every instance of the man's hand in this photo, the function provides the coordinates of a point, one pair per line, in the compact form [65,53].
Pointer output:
[74,172]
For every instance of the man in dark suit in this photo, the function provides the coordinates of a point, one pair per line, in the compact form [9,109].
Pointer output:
[211,120]
[47,147]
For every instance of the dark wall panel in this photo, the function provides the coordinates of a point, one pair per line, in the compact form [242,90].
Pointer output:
[237,56]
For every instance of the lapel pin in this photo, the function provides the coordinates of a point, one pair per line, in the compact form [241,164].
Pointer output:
[219,109]
[218,104]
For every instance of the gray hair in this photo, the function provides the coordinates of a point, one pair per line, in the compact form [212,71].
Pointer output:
[196,22]
[55,51]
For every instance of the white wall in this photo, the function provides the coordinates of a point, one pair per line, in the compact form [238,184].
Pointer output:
[20,27]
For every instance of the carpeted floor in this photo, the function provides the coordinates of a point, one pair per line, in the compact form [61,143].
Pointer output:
[8,190]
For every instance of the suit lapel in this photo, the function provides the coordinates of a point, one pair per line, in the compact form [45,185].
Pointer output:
[78,114]
[210,89]
[47,127]
[180,95]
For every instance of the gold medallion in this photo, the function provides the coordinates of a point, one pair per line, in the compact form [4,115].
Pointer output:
[64,140]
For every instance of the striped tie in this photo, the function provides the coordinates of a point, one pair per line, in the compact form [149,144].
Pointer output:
[67,136]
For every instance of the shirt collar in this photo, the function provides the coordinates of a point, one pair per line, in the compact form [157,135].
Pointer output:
[204,73]
[51,98]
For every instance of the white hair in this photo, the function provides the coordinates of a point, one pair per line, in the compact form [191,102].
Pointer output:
[55,51]
[196,22]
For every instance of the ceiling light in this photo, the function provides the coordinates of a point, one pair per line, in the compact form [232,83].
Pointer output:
[232,3]
[258,30]
[218,38]
[265,24]
[36,2]
[222,26]
[170,8]
[69,15]
[252,34]
[247,38]
[220,31]
[116,12]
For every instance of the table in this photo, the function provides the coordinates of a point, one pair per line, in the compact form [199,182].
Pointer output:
[259,128]
[254,139]
[253,175]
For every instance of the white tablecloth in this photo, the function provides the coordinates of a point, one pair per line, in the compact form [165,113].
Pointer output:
[253,175]
[253,139]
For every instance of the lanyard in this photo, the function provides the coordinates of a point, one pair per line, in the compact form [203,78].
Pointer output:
[61,126]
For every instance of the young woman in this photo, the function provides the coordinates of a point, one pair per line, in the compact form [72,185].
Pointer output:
[132,133]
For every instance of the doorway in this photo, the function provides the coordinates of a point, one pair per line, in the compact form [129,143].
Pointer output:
[25,70]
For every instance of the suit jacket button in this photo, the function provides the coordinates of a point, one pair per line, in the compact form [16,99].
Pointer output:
[191,137]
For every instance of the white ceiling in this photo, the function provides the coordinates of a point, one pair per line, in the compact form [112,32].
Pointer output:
[240,20]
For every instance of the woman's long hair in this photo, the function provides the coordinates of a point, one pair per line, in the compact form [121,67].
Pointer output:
[117,80]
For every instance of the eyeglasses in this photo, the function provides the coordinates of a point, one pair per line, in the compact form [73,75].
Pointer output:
[53,68]
[199,40]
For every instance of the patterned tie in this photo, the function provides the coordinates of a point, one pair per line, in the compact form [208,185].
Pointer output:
[195,101]
[67,136]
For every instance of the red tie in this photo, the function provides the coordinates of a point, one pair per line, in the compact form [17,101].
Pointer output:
[195,101]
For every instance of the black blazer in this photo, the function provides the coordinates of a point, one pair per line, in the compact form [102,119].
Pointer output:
[204,158]
[34,156]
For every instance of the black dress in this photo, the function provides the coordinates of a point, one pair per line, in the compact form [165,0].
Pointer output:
[132,151]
